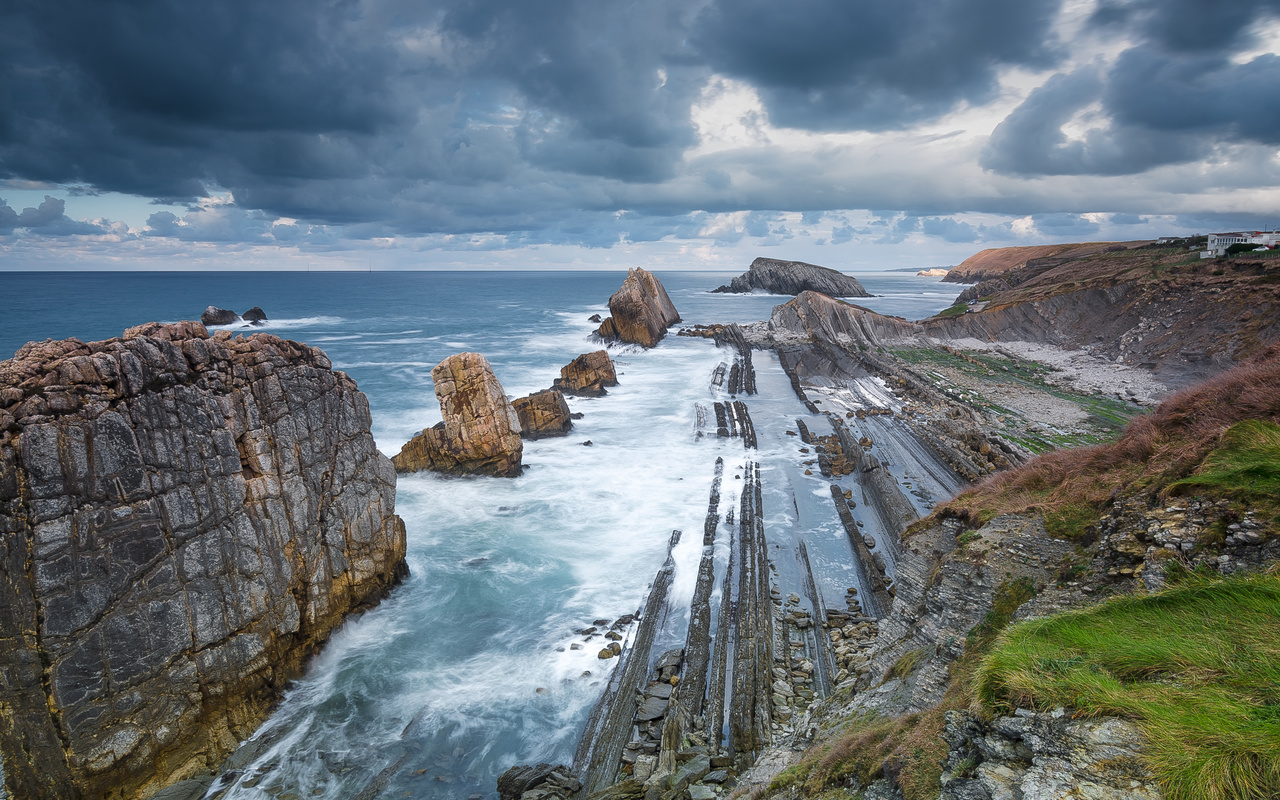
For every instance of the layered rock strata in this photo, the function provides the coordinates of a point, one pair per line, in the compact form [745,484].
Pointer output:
[588,375]
[793,277]
[543,414]
[480,432]
[183,521]
[640,311]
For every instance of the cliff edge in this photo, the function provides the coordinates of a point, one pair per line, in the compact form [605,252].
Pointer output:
[183,521]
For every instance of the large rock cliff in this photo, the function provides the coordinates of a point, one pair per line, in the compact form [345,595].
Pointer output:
[183,520]
[641,311]
[480,432]
[793,277]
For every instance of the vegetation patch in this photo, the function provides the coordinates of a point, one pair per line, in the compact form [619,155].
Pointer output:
[1190,445]
[1196,666]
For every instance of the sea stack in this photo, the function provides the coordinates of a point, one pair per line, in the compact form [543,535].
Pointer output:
[543,414]
[184,519]
[587,375]
[640,311]
[480,432]
[793,277]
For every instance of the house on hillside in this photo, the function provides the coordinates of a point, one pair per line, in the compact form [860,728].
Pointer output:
[1219,242]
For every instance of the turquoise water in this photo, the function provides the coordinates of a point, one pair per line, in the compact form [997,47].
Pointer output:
[468,667]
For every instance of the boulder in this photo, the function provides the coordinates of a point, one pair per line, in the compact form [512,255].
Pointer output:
[219,316]
[587,375]
[184,520]
[793,277]
[543,781]
[255,316]
[543,414]
[480,432]
[640,311]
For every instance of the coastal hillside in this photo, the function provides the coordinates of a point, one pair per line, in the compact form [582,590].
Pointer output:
[1178,522]
[996,261]
[1158,308]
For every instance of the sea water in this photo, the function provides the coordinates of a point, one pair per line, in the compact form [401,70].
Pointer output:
[474,663]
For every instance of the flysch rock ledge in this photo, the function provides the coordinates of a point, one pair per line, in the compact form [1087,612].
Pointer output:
[184,519]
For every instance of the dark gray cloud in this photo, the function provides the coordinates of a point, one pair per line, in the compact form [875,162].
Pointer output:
[836,64]
[1173,97]
[542,121]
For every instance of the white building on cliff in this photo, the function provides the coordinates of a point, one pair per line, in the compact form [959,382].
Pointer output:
[1219,242]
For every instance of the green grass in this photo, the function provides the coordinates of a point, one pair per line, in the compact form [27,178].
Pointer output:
[954,311]
[1245,468]
[1196,666]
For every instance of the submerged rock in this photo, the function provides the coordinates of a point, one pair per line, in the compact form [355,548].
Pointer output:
[641,311]
[219,316]
[184,519]
[587,375]
[480,432]
[543,414]
[794,277]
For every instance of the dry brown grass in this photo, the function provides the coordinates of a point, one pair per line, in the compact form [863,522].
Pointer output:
[1071,487]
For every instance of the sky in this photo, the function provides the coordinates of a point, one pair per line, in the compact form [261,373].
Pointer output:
[603,134]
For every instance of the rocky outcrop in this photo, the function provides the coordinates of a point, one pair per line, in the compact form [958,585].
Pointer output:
[935,272]
[640,311]
[587,375]
[218,316]
[1045,756]
[480,432]
[183,520]
[540,782]
[255,316]
[543,414]
[794,277]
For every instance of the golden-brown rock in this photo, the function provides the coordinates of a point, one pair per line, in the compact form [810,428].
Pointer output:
[480,432]
[543,414]
[587,375]
[641,310]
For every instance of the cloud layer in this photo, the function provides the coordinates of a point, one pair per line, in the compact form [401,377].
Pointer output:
[575,121]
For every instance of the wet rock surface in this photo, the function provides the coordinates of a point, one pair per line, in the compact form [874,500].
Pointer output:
[480,432]
[218,316]
[184,519]
[543,414]
[640,311]
[588,375]
[793,277]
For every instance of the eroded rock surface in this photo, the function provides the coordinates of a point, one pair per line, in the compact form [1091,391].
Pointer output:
[183,521]
[480,432]
[793,277]
[218,316]
[587,375]
[641,311]
[543,414]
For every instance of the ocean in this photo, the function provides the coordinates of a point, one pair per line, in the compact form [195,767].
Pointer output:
[470,667]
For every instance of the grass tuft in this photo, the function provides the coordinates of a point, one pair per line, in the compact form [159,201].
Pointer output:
[1196,666]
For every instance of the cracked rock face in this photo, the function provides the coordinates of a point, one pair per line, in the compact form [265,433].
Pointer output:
[480,432]
[641,311]
[183,521]
[543,414]
[587,375]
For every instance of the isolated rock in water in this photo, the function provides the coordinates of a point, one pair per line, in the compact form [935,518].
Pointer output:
[219,316]
[543,414]
[255,316]
[641,311]
[587,375]
[480,432]
[794,277]
[183,521]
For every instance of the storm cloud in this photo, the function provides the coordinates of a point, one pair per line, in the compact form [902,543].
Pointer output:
[573,121]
